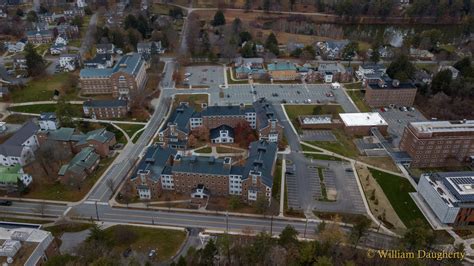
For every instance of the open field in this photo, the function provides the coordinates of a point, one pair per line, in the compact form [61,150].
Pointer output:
[40,108]
[194,100]
[42,89]
[165,242]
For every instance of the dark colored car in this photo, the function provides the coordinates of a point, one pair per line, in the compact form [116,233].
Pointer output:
[5,203]
[127,252]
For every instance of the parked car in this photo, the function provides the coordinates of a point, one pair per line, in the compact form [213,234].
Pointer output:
[126,253]
[5,203]
[152,253]
[187,74]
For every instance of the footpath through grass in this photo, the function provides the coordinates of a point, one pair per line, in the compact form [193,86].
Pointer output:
[396,189]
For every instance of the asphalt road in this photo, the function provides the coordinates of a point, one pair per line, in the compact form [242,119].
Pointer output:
[216,222]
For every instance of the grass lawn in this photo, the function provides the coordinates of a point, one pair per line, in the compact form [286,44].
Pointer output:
[58,191]
[307,148]
[204,150]
[353,86]
[40,108]
[276,188]
[343,146]
[42,89]
[358,98]
[17,119]
[75,42]
[42,48]
[135,139]
[58,230]
[226,150]
[194,100]
[130,128]
[293,111]
[26,221]
[165,242]
[396,189]
[322,157]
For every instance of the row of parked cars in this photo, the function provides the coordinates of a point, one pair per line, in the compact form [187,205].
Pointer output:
[401,108]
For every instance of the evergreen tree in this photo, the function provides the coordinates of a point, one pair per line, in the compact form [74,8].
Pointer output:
[272,44]
[34,61]
[219,19]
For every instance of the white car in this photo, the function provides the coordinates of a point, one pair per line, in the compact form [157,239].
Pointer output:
[187,74]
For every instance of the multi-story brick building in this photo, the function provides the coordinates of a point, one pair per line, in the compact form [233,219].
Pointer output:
[80,166]
[39,36]
[450,196]
[105,109]
[439,143]
[385,91]
[126,77]
[268,125]
[198,176]
[215,116]
[175,134]
[283,71]
[184,119]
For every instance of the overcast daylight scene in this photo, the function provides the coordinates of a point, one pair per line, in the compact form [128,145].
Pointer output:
[236,133]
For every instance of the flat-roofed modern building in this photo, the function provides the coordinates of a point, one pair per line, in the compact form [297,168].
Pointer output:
[450,195]
[439,143]
[361,124]
[127,76]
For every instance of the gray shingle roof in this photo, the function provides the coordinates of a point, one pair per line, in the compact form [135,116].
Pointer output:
[129,64]
[262,154]
[155,160]
[201,165]
[265,112]
[226,110]
[13,145]
[180,117]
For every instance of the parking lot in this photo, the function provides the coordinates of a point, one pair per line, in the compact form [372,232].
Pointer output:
[339,179]
[205,75]
[314,183]
[292,188]
[318,135]
[397,120]
[286,93]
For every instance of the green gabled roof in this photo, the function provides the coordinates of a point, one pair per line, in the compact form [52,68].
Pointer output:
[81,161]
[10,174]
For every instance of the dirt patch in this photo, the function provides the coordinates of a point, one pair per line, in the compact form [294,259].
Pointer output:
[378,203]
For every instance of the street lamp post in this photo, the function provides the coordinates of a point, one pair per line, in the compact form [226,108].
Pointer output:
[271,225]
[96,211]
[305,227]
[227,221]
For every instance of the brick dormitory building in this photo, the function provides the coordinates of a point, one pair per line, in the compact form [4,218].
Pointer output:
[260,116]
[162,168]
[128,75]
[384,91]
[439,143]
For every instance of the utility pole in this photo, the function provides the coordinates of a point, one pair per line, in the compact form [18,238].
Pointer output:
[152,221]
[305,227]
[96,211]
[378,228]
[227,221]
[271,225]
